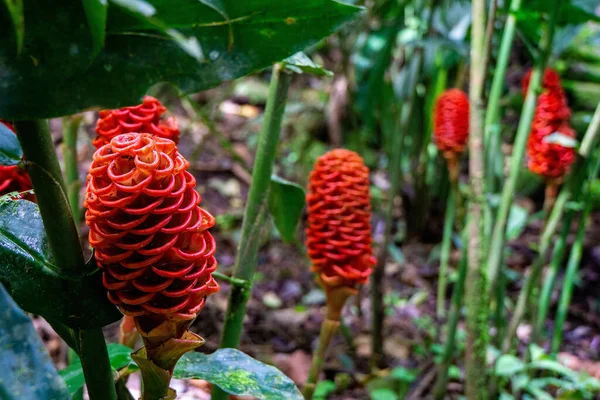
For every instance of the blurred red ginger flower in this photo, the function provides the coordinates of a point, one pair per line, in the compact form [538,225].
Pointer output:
[143,118]
[149,233]
[550,81]
[451,126]
[339,227]
[551,160]
[13,178]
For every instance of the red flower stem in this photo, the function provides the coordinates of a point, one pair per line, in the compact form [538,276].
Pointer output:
[43,168]
[551,192]
[253,215]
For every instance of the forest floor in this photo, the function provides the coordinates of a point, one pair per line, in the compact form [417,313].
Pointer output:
[286,306]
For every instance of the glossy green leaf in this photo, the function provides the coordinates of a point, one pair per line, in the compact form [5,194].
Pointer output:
[95,12]
[301,63]
[10,149]
[118,354]
[27,370]
[238,374]
[61,76]
[30,277]
[286,202]
[15,10]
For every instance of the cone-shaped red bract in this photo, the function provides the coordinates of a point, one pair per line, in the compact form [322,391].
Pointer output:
[451,122]
[339,213]
[143,118]
[149,233]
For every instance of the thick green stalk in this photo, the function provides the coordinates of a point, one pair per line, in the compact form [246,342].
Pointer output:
[328,329]
[451,205]
[96,365]
[73,184]
[255,209]
[476,285]
[496,247]
[405,113]
[556,262]
[440,388]
[43,168]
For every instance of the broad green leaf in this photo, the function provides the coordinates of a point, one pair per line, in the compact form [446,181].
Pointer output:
[95,12]
[61,76]
[301,63]
[30,277]
[237,374]
[10,149]
[383,394]
[554,366]
[508,365]
[27,371]
[517,220]
[118,354]
[561,139]
[286,201]
[15,10]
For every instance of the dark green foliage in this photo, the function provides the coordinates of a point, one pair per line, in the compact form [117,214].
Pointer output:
[286,202]
[10,149]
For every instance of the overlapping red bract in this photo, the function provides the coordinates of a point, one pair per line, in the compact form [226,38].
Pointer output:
[149,233]
[451,122]
[143,118]
[551,160]
[339,213]
[14,178]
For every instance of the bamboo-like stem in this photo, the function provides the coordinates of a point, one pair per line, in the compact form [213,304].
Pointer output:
[489,34]
[42,165]
[440,388]
[405,114]
[550,278]
[451,205]
[496,248]
[476,285]
[73,184]
[328,329]
[253,215]
[96,365]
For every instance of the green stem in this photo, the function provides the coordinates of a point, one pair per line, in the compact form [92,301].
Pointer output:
[573,263]
[253,215]
[328,329]
[475,287]
[405,109]
[550,279]
[496,248]
[440,388]
[230,279]
[95,364]
[73,184]
[451,205]
[43,168]
[590,139]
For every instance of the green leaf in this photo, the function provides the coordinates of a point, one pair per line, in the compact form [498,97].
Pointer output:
[27,371]
[30,277]
[58,74]
[237,374]
[15,10]
[554,366]
[323,389]
[508,365]
[118,354]
[301,63]
[517,220]
[286,201]
[10,149]
[383,394]
[561,139]
[95,12]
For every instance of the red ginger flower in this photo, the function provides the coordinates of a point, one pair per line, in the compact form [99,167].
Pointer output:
[143,118]
[451,122]
[550,81]
[339,213]
[149,233]
[14,178]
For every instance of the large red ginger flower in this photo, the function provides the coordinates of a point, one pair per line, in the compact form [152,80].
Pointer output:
[14,178]
[451,122]
[339,227]
[149,233]
[143,118]
[551,160]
